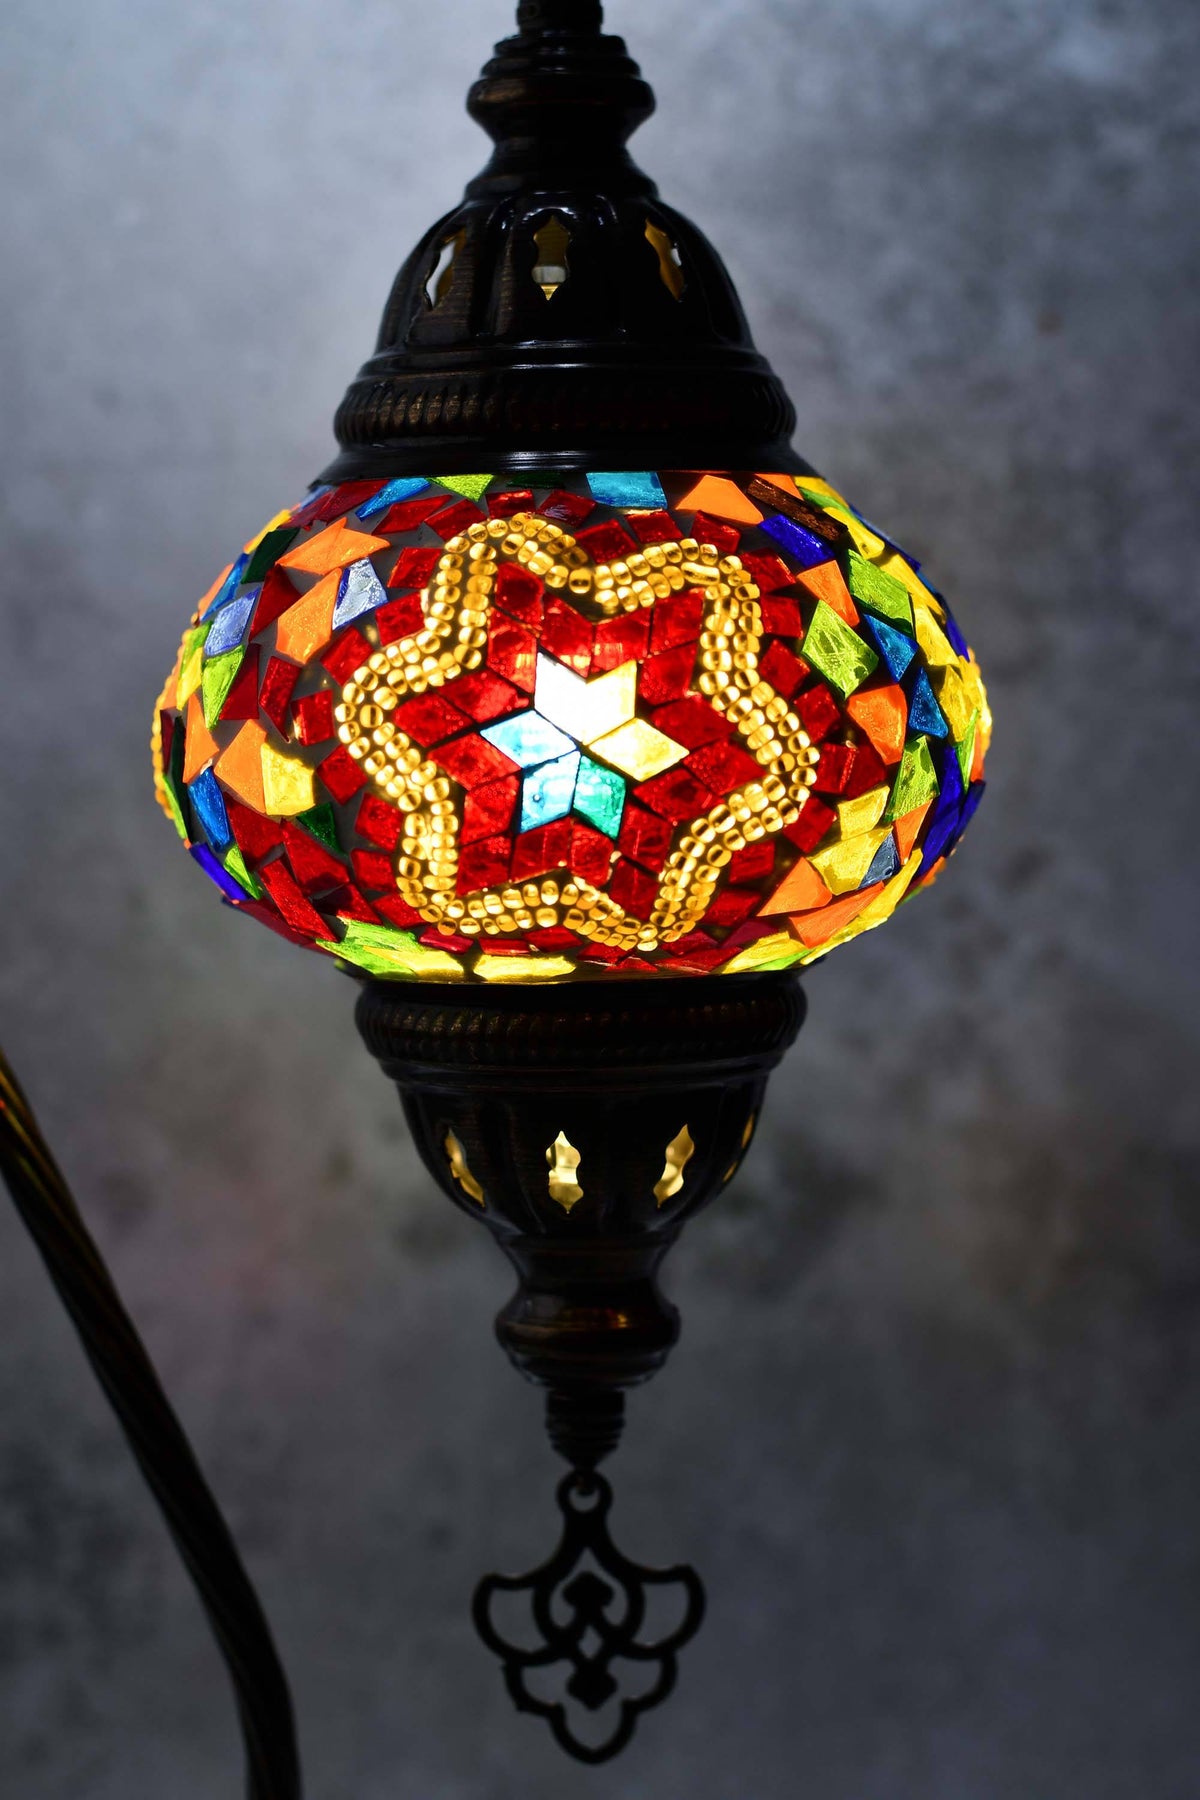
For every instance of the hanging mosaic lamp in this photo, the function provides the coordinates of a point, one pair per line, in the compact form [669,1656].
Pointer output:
[573,714]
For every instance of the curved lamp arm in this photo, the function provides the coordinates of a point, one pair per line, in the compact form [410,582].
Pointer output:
[157,1440]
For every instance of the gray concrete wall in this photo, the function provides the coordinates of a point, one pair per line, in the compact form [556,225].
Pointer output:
[933,1432]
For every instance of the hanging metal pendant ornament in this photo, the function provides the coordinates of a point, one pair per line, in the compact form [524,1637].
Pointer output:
[574,714]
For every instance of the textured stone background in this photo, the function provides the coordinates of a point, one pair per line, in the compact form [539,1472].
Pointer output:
[933,1433]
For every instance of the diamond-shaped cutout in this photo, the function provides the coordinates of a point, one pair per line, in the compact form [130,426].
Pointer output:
[529,739]
[547,791]
[586,709]
[638,750]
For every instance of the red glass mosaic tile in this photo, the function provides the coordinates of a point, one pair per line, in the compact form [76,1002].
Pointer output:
[437,939]
[519,594]
[633,888]
[812,826]
[241,702]
[397,911]
[667,676]
[701,962]
[542,851]
[378,822]
[749,930]
[511,500]
[568,635]
[566,509]
[818,711]
[400,618]
[784,671]
[555,937]
[304,514]
[278,593]
[782,618]
[833,770]
[646,837]
[602,953]
[414,565]
[255,835]
[690,942]
[471,759]
[483,696]
[348,903]
[654,527]
[708,530]
[591,854]
[346,653]
[312,717]
[282,886]
[484,863]
[489,809]
[722,767]
[605,543]
[340,501]
[676,794]
[677,620]
[275,695]
[406,515]
[752,863]
[512,652]
[731,906]
[768,573]
[692,722]
[266,915]
[313,864]
[455,518]
[341,774]
[867,770]
[620,640]
[373,870]
[428,719]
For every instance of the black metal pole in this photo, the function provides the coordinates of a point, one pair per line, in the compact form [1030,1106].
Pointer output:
[154,1434]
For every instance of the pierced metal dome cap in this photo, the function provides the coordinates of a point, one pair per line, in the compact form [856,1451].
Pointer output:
[561,312]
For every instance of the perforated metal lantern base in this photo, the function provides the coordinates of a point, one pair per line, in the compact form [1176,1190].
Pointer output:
[584,1126]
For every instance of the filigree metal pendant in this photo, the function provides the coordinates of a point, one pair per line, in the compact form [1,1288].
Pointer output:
[587,1603]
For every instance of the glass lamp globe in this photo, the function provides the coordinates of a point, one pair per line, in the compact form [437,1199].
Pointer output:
[598,725]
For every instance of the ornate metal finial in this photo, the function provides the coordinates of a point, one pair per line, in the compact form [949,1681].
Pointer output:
[587,1604]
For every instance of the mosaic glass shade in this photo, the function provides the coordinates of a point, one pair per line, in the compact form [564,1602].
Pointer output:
[621,724]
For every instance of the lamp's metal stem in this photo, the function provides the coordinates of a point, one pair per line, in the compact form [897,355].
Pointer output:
[159,1445]
[559,15]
